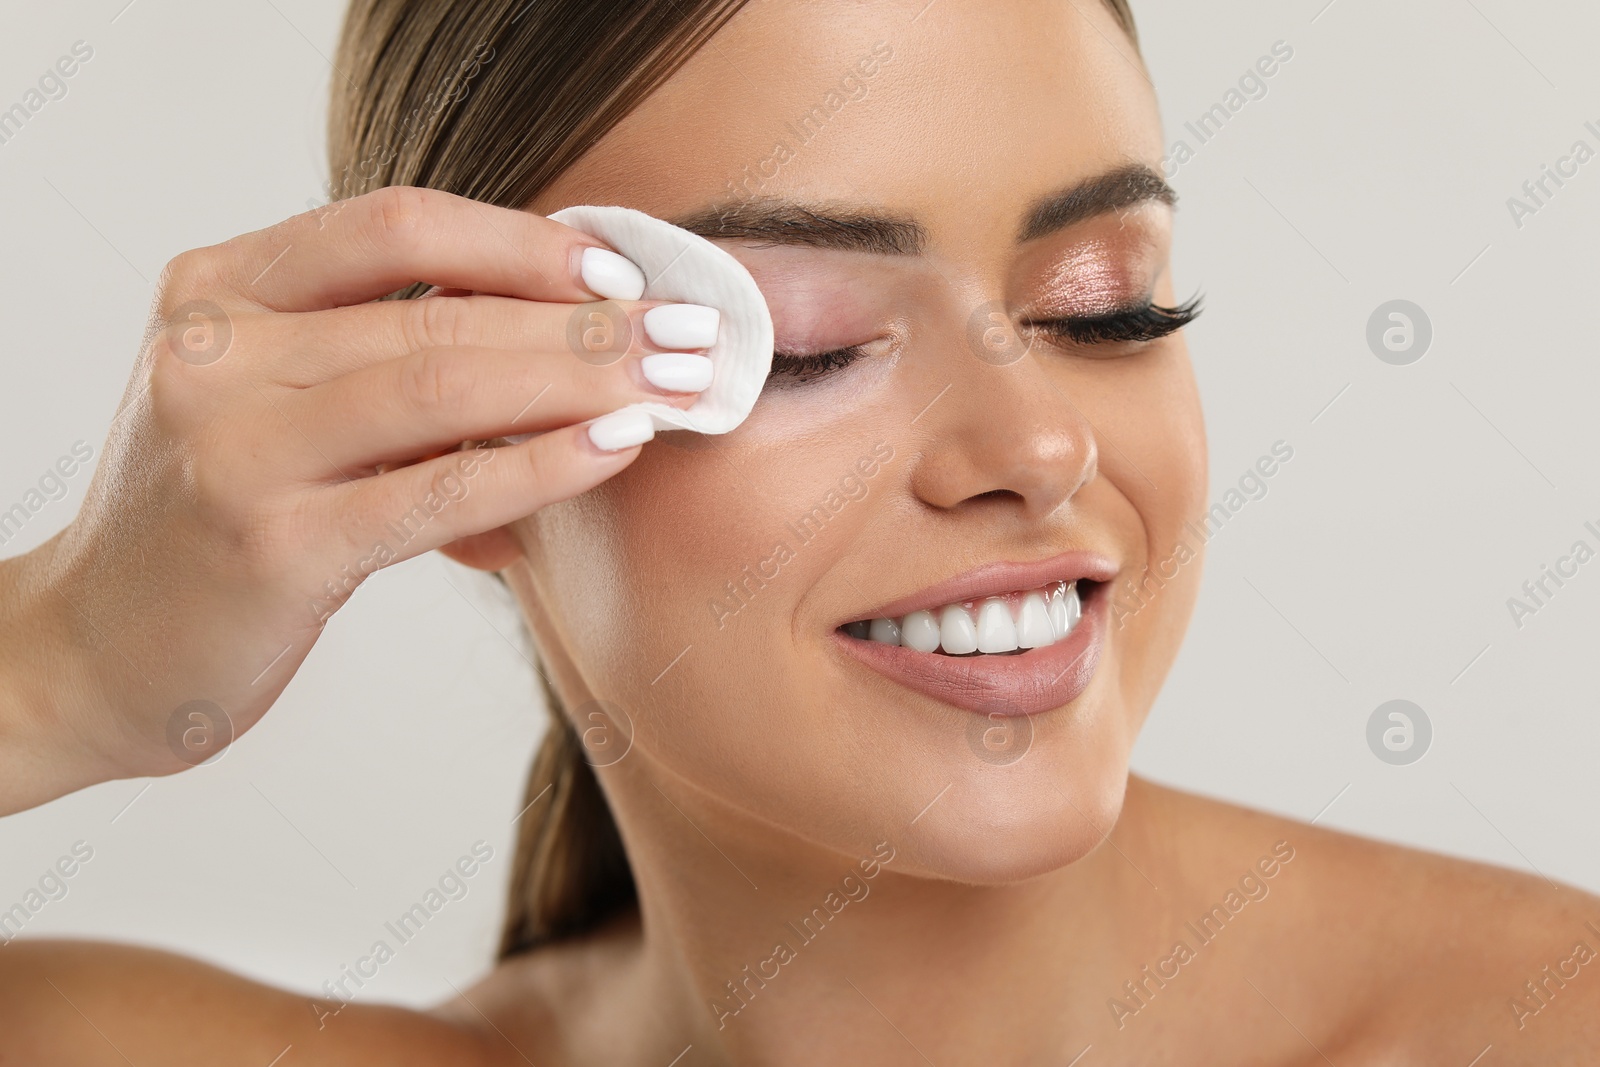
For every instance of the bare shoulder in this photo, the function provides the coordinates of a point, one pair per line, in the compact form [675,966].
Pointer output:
[85,1004]
[1410,956]
[566,1002]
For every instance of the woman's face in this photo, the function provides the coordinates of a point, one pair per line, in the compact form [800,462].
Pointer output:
[704,589]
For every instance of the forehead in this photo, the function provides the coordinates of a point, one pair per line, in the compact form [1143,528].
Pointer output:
[958,113]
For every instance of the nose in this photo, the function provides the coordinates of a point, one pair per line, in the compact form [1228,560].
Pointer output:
[1004,433]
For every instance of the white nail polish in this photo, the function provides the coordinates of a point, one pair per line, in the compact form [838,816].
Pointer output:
[677,372]
[621,429]
[611,276]
[682,325]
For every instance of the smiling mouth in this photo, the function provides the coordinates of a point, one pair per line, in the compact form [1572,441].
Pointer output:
[1006,624]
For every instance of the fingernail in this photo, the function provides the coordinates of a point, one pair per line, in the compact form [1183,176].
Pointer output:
[682,325]
[677,372]
[621,429]
[613,277]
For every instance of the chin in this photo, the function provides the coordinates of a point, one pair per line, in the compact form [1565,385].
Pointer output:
[1004,825]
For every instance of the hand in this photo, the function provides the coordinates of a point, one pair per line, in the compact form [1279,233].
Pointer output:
[284,435]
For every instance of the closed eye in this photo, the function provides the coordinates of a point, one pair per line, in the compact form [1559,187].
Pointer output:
[1136,325]
[805,368]
[1147,322]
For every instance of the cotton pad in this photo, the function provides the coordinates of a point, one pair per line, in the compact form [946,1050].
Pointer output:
[683,267]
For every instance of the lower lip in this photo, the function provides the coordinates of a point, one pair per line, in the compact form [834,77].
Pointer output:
[1034,681]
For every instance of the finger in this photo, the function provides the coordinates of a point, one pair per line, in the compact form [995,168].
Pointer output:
[320,345]
[415,509]
[378,243]
[405,408]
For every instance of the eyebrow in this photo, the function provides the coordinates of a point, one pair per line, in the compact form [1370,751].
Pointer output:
[784,221]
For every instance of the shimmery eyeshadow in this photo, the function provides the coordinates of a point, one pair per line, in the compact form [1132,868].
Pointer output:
[1094,277]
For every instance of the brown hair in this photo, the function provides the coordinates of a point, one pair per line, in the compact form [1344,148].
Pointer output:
[493,100]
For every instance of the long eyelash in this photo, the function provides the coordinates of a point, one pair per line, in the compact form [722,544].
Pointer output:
[805,368]
[1150,322]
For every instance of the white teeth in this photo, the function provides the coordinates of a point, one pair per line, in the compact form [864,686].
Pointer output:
[957,634]
[1039,619]
[1034,629]
[996,630]
[1058,612]
[1065,609]
[920,631]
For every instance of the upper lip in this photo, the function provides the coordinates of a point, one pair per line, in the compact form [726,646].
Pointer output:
[995,579]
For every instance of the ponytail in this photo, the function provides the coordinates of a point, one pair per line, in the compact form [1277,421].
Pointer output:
[570,872]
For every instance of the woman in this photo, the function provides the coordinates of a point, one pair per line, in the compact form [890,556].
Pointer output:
[843,700]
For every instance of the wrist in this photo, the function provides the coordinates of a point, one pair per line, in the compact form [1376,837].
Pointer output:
[40,688]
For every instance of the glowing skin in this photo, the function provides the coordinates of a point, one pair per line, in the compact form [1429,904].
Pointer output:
[839,860]
[766,761]
[793,758]
[1017,463]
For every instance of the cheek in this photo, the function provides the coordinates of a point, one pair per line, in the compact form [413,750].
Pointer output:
[1174,438]
[677,585]
[1158,465]
[1153,444]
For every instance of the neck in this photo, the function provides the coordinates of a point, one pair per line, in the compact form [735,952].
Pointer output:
[774,950]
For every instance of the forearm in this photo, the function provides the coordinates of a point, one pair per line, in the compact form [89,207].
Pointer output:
[39,689]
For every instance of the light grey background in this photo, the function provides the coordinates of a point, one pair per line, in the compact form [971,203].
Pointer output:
[1378,566]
